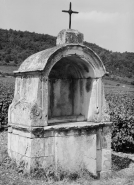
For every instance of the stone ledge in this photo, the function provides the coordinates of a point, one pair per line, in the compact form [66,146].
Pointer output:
[61,130]
[77,125]
[64,126]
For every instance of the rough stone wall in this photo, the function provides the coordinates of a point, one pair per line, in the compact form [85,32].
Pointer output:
[29,106]
[69,150]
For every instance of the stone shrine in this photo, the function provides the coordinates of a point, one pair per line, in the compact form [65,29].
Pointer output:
[59,117]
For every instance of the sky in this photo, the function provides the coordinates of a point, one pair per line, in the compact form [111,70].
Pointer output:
[107,23]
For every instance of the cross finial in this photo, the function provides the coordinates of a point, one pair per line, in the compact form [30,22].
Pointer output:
[70,13]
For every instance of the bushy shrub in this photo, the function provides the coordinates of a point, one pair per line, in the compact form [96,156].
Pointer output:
[122,116]
[6,96]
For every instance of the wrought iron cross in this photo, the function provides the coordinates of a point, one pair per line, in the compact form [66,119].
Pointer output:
[70,11]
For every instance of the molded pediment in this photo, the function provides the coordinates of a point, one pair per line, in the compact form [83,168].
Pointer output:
[45,60]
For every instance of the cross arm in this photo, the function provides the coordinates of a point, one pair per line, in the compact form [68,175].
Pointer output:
[74,12]
[65,11]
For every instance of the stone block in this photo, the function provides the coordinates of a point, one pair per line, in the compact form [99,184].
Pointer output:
[46,163]
[99,160]
[69,36]
[99,139]
[20,145]
[74,153]
[34,147]
[104,174]
[42,147]
[21,159]
[9,141]
[106,160]
[30,163]
[106,137]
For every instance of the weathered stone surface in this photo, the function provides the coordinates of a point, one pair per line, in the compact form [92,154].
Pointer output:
[39,61]
[107,137]
[19,144]
[76,152]
[69,36]
[105,107]
[105,174]
[59,116]
[70,128]
[31,163]
[104,149]
[71,149]
[106,159]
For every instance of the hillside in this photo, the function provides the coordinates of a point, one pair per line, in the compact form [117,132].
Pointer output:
[16,46]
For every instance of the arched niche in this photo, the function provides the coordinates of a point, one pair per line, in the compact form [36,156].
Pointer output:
[70,81]
[67,85]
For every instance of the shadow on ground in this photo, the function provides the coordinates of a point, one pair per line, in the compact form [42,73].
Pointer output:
[119,163]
